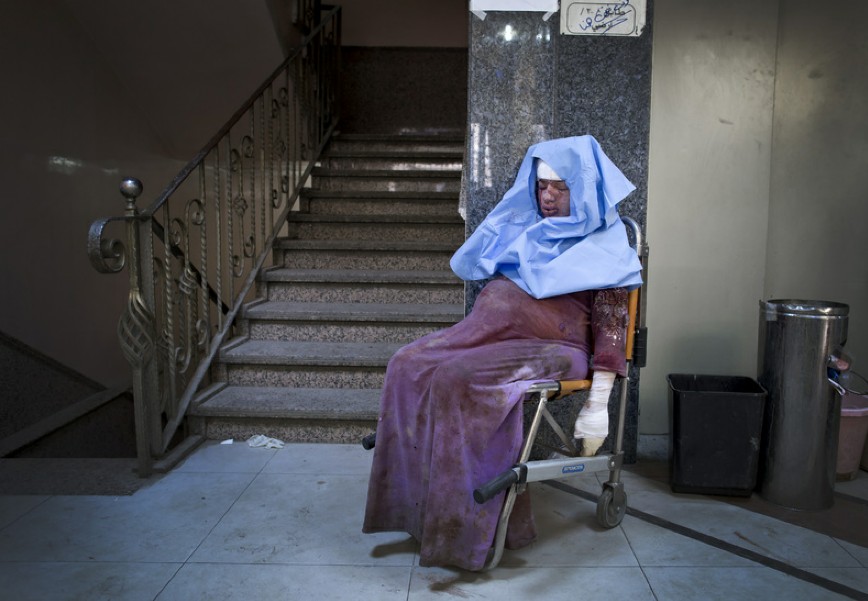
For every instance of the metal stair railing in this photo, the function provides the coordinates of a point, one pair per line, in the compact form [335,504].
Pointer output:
[194,254]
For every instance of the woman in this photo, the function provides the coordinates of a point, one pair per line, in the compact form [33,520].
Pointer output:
[450,416]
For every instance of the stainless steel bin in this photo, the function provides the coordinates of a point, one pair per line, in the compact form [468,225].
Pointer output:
[803,410]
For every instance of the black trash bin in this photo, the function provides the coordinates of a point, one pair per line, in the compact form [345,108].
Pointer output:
[716,425]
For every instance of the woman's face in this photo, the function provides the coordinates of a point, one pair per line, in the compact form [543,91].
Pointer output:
[553,197]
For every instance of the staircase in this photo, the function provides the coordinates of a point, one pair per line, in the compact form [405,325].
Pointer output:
[363,270]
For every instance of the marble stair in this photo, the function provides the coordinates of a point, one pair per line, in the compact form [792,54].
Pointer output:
[363,270]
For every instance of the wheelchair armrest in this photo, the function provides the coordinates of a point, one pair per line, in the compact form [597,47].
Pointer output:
[570,386]
[554,389]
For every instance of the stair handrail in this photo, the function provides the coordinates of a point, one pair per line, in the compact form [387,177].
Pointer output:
[194,254]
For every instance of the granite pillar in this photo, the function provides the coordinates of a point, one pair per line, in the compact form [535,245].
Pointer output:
[528,83]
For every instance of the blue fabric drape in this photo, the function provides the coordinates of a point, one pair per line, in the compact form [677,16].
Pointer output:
[587,250]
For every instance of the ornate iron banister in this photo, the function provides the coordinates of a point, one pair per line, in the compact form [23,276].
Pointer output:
[194,254]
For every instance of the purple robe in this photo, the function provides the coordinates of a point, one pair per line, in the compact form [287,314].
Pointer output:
[451,415]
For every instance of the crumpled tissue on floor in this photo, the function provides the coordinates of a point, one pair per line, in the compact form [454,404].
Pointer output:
[260,440]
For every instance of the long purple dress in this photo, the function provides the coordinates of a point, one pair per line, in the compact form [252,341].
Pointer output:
[451,417]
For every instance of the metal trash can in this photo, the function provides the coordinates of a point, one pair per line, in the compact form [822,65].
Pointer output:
[803,410]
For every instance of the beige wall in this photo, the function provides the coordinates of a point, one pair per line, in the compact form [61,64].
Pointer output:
[818,220]
[186,65]
[95,90]
[757,168]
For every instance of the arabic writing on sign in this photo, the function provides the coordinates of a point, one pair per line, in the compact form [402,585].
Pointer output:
[603,17]
[622,18]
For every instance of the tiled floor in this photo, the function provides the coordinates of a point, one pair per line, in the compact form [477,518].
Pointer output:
[241,523]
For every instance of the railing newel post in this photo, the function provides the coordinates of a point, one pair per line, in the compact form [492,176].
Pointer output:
[150,374]
[136,329]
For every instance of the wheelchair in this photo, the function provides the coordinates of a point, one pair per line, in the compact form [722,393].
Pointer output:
[612,502]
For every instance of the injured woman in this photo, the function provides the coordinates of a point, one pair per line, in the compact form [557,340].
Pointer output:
[555,308]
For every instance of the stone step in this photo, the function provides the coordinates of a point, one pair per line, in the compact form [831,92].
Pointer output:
[454,152]
[434,228]
[337,202]
[387,180]
[342,415]
[303,364]
[300,403]
[365,254]
[419,144]
[335,322]
[363,270]
[362,286]
[367,160]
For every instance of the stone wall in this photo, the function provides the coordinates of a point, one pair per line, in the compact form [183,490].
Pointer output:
[528,83]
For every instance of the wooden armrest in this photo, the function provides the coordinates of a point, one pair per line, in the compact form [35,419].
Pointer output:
[632,308]
[571,386]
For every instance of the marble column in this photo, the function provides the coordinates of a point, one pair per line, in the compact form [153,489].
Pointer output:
[528,83]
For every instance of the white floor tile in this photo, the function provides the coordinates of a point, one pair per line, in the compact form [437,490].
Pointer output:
[756,532]
[321,459]
[13,507]
[231,582]
[732,584]
[656,546]
[288,518]
[859,553]
[84,581]
[165,522]
[235,522]
[551,584]
[855,578]
[236,457]
[569,535]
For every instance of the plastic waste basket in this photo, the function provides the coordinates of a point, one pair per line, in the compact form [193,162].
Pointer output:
[854,425]
[864,462]
[716,424]
[803,409]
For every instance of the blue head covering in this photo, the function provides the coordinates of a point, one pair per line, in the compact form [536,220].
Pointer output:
[587,250]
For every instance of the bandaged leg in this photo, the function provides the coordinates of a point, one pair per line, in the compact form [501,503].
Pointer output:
[592,425]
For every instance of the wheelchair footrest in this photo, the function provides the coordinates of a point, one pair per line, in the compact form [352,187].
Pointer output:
[548,469]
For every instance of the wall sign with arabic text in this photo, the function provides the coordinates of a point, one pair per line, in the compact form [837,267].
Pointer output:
[619,18]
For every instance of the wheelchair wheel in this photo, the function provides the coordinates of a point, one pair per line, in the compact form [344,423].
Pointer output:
[611,507]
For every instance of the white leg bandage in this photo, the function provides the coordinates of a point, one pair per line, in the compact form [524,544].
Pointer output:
[592,425]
